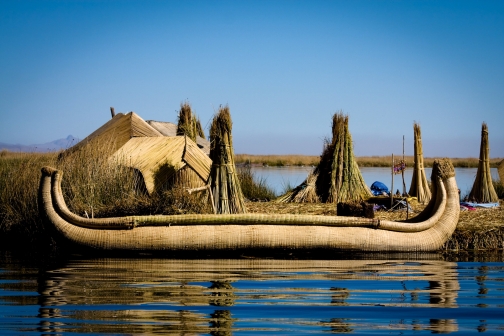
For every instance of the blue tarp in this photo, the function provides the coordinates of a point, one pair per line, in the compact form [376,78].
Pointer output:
[378,188]
[480,205]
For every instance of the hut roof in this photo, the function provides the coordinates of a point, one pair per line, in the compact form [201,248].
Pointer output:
[159,158]
[170,129]
[117,131]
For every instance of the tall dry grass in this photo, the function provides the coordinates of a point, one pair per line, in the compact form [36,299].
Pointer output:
[254,188]
[92,187]
[19,182]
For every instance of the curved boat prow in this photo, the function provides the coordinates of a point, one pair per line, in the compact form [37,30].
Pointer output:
[426,232]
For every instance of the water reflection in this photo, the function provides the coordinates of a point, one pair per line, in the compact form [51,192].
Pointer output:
[203,296]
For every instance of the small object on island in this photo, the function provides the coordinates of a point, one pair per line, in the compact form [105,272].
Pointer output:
[355,209]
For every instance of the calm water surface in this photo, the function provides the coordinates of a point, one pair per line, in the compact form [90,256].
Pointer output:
[419,295]
[280,177]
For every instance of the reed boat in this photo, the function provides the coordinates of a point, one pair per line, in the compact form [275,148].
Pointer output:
[426,232]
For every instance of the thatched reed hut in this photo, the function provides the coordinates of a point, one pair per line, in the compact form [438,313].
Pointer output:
[483,190]
[337,177]
[112,135]
[161,161]
[419,187]
[224,183]
[165,161]
[170,129]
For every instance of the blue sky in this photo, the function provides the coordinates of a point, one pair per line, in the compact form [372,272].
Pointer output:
[283,67]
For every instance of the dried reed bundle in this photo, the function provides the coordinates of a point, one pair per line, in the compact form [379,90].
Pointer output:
[224,183]
[339,178]
[199,129]
[419,187]
[304,193]
[188,124]
[483,190]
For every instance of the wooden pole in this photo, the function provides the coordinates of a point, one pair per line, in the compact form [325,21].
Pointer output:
[112,111]
[402,171]
[392,186]
[404,183]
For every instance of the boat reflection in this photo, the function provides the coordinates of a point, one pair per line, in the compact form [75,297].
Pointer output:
[201,296]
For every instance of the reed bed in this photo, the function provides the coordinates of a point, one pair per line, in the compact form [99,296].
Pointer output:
[362,161]
[278,160]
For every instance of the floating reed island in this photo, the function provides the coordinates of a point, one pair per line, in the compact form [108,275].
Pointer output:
[231,228]
[162,157]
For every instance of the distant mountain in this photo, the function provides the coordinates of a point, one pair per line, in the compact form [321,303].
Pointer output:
[52,146]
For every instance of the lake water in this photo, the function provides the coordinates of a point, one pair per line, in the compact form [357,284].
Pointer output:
[391,295]
[280,177]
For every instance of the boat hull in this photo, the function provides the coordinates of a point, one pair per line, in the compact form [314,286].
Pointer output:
[256,231]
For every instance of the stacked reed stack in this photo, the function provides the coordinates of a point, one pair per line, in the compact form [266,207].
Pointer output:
[188,123]
[337,177]
[483,190]
[224,183]
[340,179]
[419,187]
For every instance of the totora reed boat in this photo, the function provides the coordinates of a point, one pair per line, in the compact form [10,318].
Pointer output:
[426,232]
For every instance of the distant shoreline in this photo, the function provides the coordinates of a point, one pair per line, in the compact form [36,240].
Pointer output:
[313,160]
[362,161]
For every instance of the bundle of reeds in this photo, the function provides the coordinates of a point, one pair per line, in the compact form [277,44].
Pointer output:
[337,177]
[340,179]
[483,190]
[188,123]
[304,193]
[199,129]
[419,187]
[224,183]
